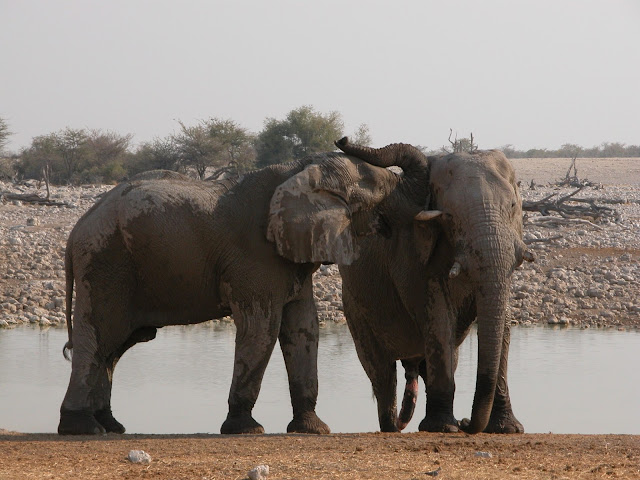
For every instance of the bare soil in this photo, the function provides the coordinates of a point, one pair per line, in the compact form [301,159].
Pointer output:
[350,456]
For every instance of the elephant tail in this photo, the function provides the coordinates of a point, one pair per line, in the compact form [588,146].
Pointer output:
[68,271]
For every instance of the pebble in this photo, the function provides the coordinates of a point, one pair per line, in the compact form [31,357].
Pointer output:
[139,456]
[258,473]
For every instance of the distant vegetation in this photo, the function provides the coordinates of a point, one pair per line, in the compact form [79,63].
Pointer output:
[213,148]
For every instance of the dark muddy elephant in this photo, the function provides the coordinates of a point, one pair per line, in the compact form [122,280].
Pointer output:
[161,250]
[452,240]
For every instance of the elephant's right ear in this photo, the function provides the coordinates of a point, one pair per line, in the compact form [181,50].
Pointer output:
[310,223]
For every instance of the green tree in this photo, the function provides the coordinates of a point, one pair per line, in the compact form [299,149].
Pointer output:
[237,151]
[218,143]
[106,154]
[302,132]
[569,150]
[615,149]
[41,158]
[72,147]
[4,133]
[362,136]
[158,154]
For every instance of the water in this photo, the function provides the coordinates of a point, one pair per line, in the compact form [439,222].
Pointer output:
[561,380]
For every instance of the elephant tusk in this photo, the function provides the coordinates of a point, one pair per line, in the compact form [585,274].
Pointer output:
[455,270]
[426,215]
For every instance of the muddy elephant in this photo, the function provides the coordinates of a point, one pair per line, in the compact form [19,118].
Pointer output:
[161,249]
[451,242]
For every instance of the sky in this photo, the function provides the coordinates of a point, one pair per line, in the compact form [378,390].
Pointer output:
[530,73]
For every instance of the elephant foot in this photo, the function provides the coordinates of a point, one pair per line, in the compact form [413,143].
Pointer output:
[307,422]
[444,423]
[110,424]
[79,422]
[241,424]
[503,422]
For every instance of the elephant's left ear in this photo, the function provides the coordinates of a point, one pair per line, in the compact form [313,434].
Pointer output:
[309,223]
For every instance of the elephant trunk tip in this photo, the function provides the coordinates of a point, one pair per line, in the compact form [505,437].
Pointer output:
[342,142]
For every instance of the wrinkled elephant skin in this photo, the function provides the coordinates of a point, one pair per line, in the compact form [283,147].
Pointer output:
[453,239]
[162,249]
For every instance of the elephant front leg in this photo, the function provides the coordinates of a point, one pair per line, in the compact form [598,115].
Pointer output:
[441,361]
[255,338]
[502,419]
[299,344]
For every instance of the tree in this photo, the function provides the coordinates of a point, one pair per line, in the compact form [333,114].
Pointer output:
[302,132]
[237,151]
[362,136]
[160,153]
[4,133]
[106,155]
[217,143]
[72,146]
[569,150]
[615,149]
[42,156]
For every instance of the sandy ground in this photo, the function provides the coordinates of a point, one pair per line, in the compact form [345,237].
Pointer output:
[608,171]
[350,456]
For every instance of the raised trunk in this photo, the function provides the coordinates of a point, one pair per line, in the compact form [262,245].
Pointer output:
[409,158]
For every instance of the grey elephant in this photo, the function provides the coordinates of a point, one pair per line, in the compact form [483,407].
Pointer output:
[161,249]
[449,236]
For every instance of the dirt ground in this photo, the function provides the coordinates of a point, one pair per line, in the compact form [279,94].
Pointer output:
[350,456]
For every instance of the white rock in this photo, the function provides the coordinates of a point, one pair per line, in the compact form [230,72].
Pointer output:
[139,456]
[258,473]
[484,454]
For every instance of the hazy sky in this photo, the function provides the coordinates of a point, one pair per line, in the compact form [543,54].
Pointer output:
[533,73]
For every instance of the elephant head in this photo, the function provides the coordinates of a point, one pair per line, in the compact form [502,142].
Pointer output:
[474,201]
[318,214]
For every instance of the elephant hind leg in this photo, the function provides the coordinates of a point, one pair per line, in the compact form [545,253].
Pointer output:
[378,364]
[104,416]
[100,336]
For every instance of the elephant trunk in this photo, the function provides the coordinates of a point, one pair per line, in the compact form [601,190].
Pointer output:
[491,314]
[495,263]
[403,155]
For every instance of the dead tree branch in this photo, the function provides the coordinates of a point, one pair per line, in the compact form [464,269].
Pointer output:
[569,207]
[30,198]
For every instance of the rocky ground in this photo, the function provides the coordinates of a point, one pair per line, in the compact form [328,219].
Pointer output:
[586,274]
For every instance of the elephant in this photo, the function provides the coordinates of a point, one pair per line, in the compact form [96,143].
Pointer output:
[452,239]
[161,249]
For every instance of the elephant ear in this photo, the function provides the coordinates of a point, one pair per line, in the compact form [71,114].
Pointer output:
[311,222]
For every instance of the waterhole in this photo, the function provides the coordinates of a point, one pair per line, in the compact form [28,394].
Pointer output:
[561,381]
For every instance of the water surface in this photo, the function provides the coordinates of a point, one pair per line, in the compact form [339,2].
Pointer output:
[561,381]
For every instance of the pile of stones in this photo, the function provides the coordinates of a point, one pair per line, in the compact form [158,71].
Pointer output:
[589,275]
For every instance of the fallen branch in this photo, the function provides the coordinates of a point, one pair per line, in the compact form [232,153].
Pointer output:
[542,240]
[566,208]
[30,198]
[546,221]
